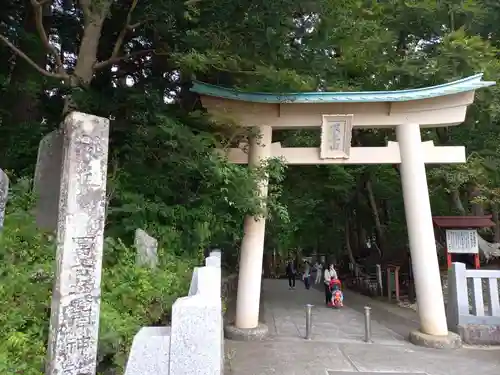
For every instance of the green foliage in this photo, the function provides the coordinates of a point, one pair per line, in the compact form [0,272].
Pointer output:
[214,192]
[166,172]
[132,297]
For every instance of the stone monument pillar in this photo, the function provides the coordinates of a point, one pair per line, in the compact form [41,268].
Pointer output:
[74,321]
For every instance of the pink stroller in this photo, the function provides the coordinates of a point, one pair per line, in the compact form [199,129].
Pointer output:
[337,300]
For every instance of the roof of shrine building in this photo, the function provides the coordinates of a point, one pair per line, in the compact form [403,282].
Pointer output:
[462,85]
[463,222]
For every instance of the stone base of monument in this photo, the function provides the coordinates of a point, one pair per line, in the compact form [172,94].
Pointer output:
[478,334]
[259,333]
[450,341]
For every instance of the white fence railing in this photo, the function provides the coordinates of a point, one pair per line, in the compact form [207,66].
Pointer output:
[473,297]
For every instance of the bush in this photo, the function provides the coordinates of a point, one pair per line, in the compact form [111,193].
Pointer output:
[132,297]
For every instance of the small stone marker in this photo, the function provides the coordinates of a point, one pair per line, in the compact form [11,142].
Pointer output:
[74,322]
[48,179]
[4,195]
[147,249]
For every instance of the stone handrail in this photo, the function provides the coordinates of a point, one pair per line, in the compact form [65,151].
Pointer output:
[194,342]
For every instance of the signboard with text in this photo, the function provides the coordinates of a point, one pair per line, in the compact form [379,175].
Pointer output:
[462,241]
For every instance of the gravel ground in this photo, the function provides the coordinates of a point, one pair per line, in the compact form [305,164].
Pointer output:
[444,282]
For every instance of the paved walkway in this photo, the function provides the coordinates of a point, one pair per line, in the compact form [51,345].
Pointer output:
[337,344]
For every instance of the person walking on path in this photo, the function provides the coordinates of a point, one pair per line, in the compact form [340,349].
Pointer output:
[319,272]
[307,274]
[330,274]
[291,272]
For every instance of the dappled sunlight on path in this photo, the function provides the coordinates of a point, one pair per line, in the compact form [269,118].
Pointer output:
[337,343]
[284,313]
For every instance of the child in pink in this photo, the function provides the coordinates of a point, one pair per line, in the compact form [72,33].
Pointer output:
[336,292]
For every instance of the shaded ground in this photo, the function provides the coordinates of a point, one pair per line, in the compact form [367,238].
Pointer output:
[337,342]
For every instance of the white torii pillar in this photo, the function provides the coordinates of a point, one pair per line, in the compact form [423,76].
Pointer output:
[252,245]
[424,258]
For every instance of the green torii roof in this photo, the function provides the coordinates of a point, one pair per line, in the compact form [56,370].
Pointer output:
[463,85]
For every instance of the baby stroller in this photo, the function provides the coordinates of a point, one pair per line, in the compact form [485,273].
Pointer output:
[337,297]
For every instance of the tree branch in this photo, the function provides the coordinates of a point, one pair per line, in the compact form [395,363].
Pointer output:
[134,26]
[85,5]
[25,57]
[114,60]
[121,38]
[37,7]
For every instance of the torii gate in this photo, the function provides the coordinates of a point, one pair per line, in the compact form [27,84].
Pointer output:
[337,113]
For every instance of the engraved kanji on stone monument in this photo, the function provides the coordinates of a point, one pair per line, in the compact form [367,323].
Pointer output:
[74,322]
[4,195]
[336,134]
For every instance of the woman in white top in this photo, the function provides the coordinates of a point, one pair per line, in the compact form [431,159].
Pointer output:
[330,274]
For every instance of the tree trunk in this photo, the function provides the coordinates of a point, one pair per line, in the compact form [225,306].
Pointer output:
[348,240]
[376,217]
[386,212]
[457,202]
[360,230]
[358,233]
[476,207]
[497,224]
[87,53]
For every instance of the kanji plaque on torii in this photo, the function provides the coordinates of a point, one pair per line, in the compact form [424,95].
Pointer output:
[336,134]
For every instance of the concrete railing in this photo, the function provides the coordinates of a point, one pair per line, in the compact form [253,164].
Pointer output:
[473,308]
[194,344]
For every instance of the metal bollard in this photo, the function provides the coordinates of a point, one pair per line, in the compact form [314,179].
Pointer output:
[308,321]
[368,324]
